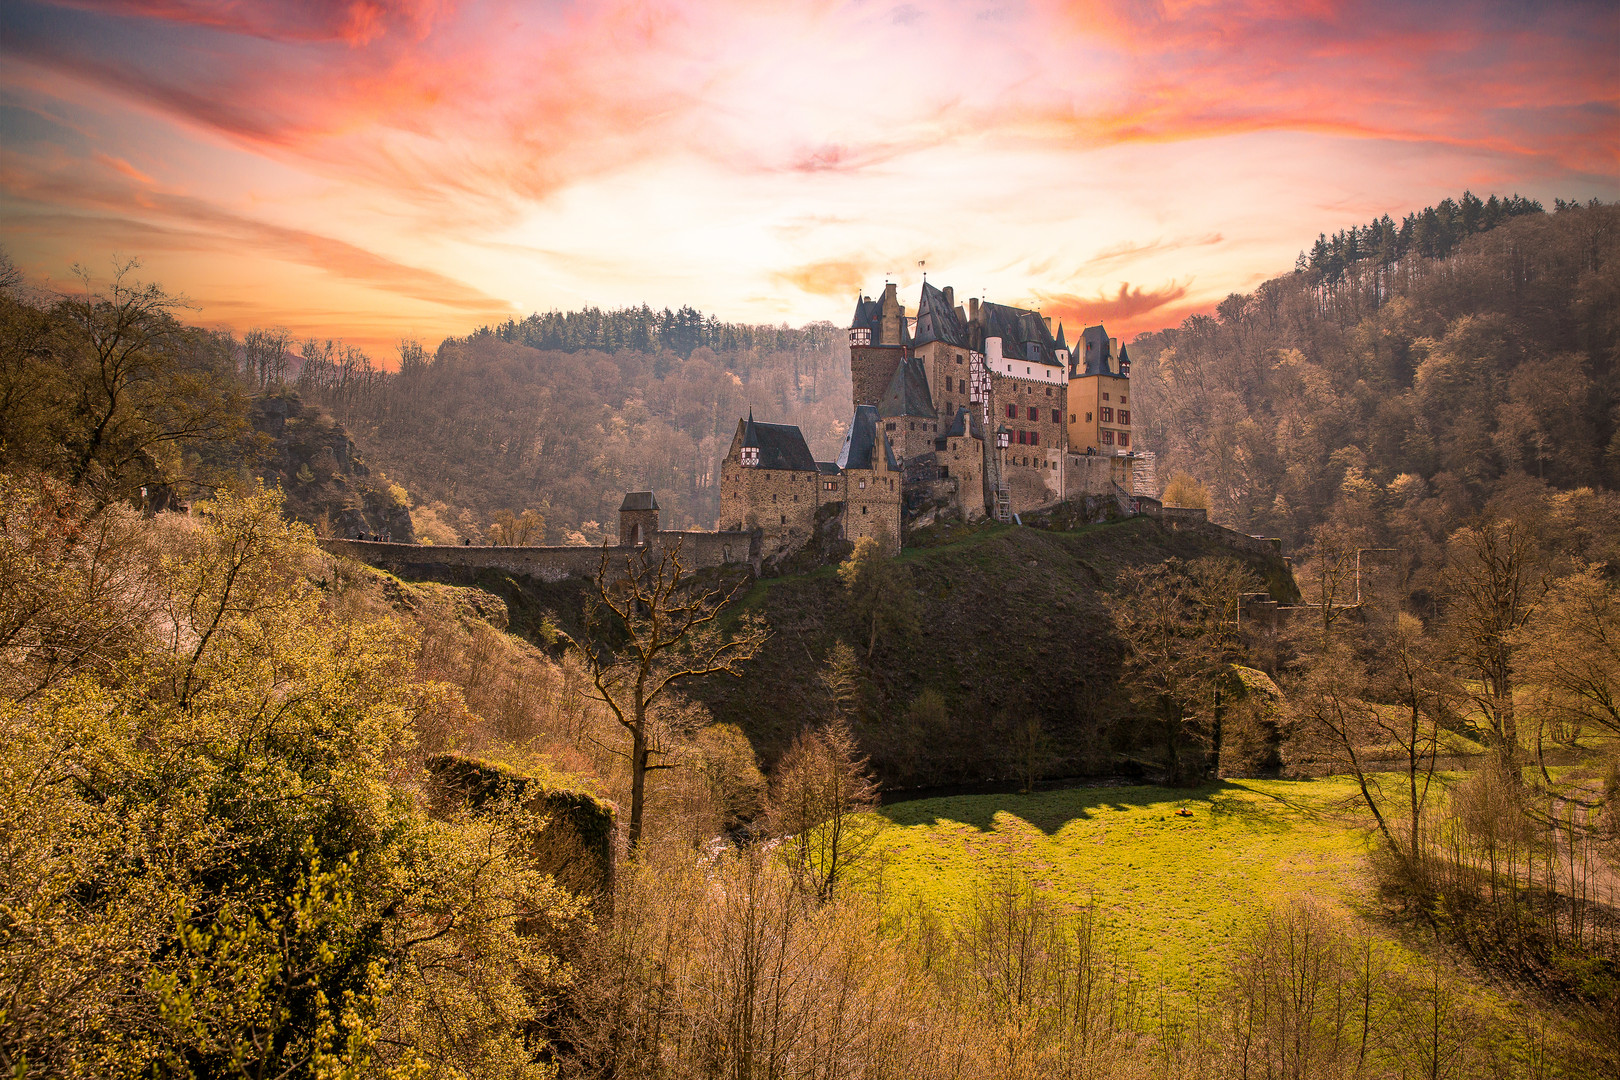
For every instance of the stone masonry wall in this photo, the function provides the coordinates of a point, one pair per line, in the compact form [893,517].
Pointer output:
[781,503]
[963,461]
[698,550]
[873,508]
[872,369]
[947,368]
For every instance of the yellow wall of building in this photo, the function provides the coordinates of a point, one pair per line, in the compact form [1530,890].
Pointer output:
[1086,403]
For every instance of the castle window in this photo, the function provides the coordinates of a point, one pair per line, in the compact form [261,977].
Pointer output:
[862,336]
[1057,417]
[1105,397]
[831,485]
[863,509]
[958,358]
[750,457]
[1071,418]
[1108,437]
[1023,438]
[888,427]
[949,407]
[1124,416]
[784,519]
[863,485]
[1012,412]
[773,497]
[1107,416]
[1034,438]
[1123,400]
[944,472]
[914,425]
[1034,413]
[795,498]
[961,386]
[1124,438]
[1088,418]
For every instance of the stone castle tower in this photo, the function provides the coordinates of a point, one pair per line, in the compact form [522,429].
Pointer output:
[879,337]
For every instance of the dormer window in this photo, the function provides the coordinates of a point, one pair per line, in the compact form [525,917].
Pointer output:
[750,457]
[861,335]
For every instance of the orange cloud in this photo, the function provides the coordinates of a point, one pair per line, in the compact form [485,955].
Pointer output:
[1129,310]
[188,222]
[841,278]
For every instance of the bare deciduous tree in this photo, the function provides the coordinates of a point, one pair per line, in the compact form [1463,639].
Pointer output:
[819,797]
[650,627]
[1491,578]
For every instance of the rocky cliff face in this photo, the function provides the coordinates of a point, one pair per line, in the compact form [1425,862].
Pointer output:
[311,457]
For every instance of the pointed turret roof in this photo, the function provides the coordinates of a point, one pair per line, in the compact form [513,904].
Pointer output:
[1060,342]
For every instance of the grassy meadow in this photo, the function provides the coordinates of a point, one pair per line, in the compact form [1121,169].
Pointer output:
[1175,893]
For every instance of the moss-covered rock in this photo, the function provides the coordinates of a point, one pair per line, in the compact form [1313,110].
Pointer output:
[576,843]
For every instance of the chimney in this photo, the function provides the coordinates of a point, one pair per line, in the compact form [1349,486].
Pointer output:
[973,309]
[889,294]
[1048,319]
[1113,346]
[950,297]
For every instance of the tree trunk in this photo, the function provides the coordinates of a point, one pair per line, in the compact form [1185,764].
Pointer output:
[638,782]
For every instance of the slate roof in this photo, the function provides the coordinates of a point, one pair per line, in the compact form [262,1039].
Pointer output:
[937,321]
[828,468]
[861,440]
[781,446]
[961,424]
[638,500]
[868,315]
[1093,358]
[908,392]
[1023,334]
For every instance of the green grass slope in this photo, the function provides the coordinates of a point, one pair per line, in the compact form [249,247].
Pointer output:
[1175,894]
[1013,626]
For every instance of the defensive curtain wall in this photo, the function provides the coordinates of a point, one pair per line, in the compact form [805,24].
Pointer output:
[638,521]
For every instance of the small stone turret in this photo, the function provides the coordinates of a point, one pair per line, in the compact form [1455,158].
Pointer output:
[638,519]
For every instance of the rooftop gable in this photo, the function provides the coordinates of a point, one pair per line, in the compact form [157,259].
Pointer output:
[908,393]
[937,320]
[781,446]
[861,442]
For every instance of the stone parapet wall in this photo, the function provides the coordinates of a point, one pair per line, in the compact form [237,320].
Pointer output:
[698,550]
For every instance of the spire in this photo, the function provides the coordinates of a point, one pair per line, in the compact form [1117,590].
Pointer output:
[750,433]
[1060,342]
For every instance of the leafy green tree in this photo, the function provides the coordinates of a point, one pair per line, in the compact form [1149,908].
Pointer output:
[212,859]
[1178,622]
[879,590]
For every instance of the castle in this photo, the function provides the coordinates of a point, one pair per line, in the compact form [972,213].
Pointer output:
[978,410]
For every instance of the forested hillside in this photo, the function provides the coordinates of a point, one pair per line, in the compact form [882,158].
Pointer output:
[1393,393]
[514,418]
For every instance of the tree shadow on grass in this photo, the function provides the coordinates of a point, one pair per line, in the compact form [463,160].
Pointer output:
[1221,803]
[1050,811]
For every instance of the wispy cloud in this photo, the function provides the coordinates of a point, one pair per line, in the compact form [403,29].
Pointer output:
[481,157]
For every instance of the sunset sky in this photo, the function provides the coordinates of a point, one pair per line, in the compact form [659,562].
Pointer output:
[377,169]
